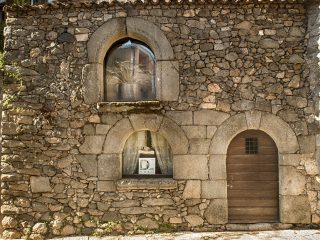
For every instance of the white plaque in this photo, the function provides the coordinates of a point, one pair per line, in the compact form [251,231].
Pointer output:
[147,166]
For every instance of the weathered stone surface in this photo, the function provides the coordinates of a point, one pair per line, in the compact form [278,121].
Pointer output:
[40,228]
[92,80]
[195,131]
[294,58]
[109,167]
[214,189]
[181,117]
[217,167]
[199,146]
[298,102]
[68,230]
[307,144]
[106,186]
[216,212]
[292,182]
[226,132]
[209,117]
[127,203]
[253,119]
[289,159]
[117,136]
[244,25]
[190,167]
[9,222]
[137,210]
[192,189]
[280,132]
[269,43]
[88,164]
[194,220]
[145,122]
[169,87]
[40,184]
[92,145]
[157,201]
[147,223]
[175,136]
[295,209]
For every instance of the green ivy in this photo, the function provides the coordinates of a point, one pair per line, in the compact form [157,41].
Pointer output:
[20,2]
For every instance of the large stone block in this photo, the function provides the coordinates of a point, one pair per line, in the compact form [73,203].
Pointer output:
[168,85]
[209,117]
[175,136]
[150,122]
[295,209]
[195,131]
[181,117]
[92,144]
[280,132]
[292,182]
[92,77]
[88,164]
[109,167]
[192,189]
[190,167]
[40,184]
[214,189]
[289,159]
[199,146]
[217,211]
[118,136]
[217,167]
[307,144]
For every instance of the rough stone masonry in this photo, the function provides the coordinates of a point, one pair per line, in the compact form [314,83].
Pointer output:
[224,67]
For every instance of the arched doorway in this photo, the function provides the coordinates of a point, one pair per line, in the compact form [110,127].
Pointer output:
[252,178]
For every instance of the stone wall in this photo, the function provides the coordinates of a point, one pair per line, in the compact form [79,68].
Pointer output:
[241,66]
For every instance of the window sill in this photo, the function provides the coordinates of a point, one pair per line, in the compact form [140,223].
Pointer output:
[146,184]
[129,106]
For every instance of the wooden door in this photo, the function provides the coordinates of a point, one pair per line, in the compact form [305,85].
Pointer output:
[252,176]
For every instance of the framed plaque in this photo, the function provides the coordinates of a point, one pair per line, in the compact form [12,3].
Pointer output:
[147,166]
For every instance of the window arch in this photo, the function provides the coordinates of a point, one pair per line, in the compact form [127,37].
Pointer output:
[130,72]
[147,153]
[115,29]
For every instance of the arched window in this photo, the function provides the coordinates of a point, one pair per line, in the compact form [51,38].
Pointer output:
[130,72]
[147,153]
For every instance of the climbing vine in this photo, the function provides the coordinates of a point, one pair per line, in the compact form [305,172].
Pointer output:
[12,84]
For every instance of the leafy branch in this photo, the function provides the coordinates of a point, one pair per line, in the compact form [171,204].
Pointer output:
[12,84]
[127,72]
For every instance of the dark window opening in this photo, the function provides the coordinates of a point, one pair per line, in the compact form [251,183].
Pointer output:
[251,145]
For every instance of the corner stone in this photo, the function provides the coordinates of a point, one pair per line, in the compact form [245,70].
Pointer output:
[216,212]
[92,145]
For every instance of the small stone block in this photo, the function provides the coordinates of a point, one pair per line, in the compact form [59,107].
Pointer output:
[40,184]
[106,186]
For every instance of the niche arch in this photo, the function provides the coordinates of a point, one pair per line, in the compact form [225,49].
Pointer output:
[113,30]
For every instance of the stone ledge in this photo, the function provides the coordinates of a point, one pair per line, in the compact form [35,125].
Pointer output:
[146,184]
[143,106]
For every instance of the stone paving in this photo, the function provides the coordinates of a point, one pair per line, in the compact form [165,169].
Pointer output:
[253,235]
